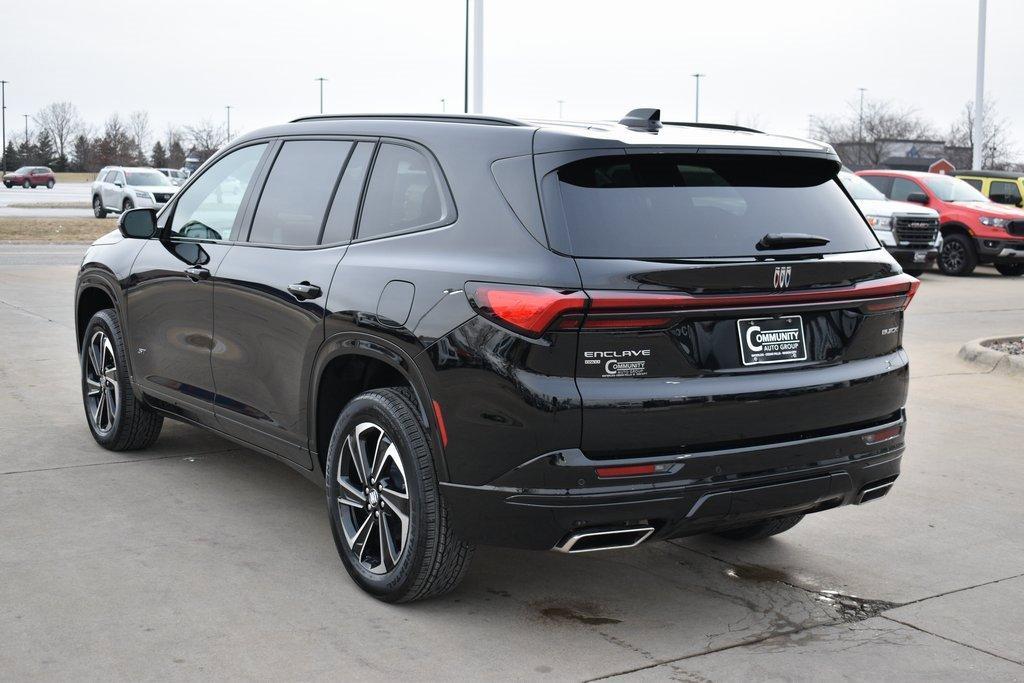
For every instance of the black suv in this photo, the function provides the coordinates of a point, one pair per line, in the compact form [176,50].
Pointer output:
[543,335]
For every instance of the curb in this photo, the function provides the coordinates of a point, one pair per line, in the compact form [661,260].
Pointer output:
[995,361]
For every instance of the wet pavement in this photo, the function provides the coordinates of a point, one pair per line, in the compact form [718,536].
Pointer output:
[197,558]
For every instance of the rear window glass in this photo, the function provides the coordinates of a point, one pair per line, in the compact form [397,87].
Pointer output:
[697,206]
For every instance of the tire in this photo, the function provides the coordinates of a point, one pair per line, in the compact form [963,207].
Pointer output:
[127,205]
[1010,269]
[49,185]
[762,529]
[27,185]
[116,419]
[97,207]
[913,272]
[431,560]
[8,185]
[958,256]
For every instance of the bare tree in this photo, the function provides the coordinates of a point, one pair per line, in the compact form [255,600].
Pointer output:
[864,138]
[997,146]
[206,137]
[62,122]
[139,131]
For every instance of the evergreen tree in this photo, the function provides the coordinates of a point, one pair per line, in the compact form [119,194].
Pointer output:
[45,152]
[159,157]
[27,153]
[83,154]
[11,157]
[176,155]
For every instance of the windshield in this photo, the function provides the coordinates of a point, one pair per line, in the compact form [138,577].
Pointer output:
[23,170]
[144,178]
[859,188]
[697,206]
[953,190]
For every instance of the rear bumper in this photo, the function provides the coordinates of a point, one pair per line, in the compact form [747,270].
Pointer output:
[550,498]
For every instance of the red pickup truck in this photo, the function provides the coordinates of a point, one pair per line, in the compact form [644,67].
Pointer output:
[30,176]
[974,228]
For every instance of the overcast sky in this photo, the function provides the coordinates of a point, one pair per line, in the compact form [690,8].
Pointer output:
[768,63]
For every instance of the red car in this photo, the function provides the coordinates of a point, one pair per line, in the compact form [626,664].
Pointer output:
[30,176]
[974,228]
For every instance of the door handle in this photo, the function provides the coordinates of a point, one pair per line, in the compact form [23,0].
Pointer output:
[304,290]
[197,273]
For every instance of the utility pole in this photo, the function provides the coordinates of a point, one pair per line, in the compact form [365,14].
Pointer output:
[696,103]
[478,56]
[3,122]
[465,67]
[978,135]
[228,107]
[444,106]
[26,129]
[860,117]
[560,103]
[321,79]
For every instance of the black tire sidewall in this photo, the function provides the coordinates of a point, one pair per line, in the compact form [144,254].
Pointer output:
[970,258]
[1010,269]
[102,321]
[375,406]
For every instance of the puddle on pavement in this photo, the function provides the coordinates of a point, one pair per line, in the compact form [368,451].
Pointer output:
[572,615]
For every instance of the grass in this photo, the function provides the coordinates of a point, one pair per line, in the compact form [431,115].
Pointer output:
[17,229]
[75,177]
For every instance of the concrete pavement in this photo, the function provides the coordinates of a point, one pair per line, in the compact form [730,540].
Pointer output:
[199,559]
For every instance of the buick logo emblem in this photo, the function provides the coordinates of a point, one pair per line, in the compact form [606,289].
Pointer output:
[783,274]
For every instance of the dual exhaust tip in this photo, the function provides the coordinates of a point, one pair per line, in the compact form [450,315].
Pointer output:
[593,540]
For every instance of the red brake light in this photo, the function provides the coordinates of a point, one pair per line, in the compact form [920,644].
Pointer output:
[528,310]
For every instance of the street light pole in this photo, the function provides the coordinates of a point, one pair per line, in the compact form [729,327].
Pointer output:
[560,103]
[228,107]
[26,129]
[696,103]
[3,122]
[321,79]
[977,134]
[860,117]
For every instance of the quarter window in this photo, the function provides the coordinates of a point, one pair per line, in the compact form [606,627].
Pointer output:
[209,207]
[1004,192]
[294,200]
[903,188]
[973,182]
[404,193]
[342,218]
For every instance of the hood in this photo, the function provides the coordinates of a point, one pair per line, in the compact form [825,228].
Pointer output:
[994,209]
[162,189]
[885,207]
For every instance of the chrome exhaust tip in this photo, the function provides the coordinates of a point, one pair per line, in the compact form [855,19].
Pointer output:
[593,540]
[874,492]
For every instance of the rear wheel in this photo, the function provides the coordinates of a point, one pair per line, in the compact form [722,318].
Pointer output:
[49,185]
[116,418]
[27,185]
[762,529]
[8,185]
[388,518]
[1010,269]
[97,207]
[958,256]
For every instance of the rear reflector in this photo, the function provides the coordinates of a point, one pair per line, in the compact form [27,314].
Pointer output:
[440,424]
[882,435]
[630,470]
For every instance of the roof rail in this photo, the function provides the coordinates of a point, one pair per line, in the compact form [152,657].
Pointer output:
[443,118]
[717,126]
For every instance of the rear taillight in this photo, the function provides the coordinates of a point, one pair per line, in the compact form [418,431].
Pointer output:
[531,311]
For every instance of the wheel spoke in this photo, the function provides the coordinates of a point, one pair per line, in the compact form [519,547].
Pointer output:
[94,360]
[350,494]
[94,386]
[388,553]
[111,374]
[352,444]
[398,502]
[98,411]
[362,535]
[385,449]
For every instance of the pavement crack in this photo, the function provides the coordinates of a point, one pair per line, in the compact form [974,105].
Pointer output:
[121,462]
[26,311]
[954,640]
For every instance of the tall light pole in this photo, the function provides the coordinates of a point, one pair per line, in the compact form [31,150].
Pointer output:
[321,79]
[444,106]
[26,128]
[3,122]
[560,103]
[696,102]
[860,117]
[977,134]
[228,108]
[478,56]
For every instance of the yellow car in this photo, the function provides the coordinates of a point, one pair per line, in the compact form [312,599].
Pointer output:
[1004,187]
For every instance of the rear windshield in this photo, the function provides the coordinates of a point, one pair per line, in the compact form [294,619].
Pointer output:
[697,206]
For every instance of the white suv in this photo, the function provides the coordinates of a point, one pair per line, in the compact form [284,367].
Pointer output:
[119,188]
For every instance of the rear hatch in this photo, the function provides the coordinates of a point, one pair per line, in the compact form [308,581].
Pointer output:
[732,300]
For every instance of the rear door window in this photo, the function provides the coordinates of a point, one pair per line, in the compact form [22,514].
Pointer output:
[341,220]
[405,193]
[1004,192]
[697,206]
[882,183]
[294,200]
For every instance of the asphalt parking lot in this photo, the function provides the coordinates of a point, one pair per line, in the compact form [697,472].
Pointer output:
[199,559]
[44,203]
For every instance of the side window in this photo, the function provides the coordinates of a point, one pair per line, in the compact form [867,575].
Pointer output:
[341,220]
[973,182]
[119,177]
[298,189]
[404,192]
[208,208]
[882,183]
[110,177]
[1004,192]
[903,188]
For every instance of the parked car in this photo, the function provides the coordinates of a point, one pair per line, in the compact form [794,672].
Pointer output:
[120,188]
[474,330]
[910,232]
[30,177]
[974,228]
[1002,187]
[176,176]
[191,164]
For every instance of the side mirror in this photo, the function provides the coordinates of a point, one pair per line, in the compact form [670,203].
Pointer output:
[138,224]
[118,183]
[917,198]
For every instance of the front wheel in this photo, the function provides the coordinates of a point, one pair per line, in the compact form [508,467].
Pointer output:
[116,418]
[389,521]
[1010,269]
[8,185]
[762,529]
[127,205]
[49,185]
[27,185]
[958,256]
[97,207]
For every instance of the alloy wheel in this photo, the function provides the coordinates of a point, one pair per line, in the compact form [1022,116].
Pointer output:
[373,498]
[953,255]
[103,393]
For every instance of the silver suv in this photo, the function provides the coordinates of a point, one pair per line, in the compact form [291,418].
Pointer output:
[119,188]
